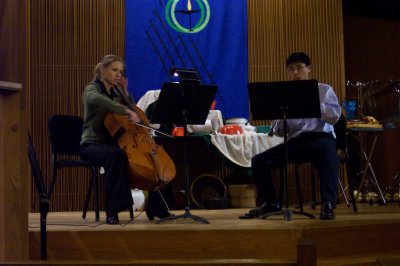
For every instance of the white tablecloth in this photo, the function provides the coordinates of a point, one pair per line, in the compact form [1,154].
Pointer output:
[241,148]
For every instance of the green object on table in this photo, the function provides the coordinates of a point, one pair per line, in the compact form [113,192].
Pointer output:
[263,129]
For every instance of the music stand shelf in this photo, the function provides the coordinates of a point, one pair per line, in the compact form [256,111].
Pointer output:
[183,104]
[285,100]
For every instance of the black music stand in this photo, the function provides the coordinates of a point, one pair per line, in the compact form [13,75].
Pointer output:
[44,197]
[184,104]
[285,100]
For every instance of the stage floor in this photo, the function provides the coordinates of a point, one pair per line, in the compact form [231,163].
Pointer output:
[371,233]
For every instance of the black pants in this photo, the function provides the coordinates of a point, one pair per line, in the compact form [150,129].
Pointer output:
[156,204]
[118,194]
[319,148]
[117,184]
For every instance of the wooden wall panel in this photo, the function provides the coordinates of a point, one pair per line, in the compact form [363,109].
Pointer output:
[372,53]
[277,28]
[280,27]
[68,38]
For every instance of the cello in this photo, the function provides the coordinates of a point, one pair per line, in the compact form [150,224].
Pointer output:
[150,167]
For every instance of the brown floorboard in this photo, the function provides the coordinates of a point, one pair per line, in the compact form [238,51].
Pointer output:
[352,238]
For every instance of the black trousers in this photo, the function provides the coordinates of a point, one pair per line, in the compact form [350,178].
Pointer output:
[118,196]
[117,184]
[155,203]
[319,148]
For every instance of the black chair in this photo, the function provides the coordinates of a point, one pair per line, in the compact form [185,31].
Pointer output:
[65,133]
[341,148]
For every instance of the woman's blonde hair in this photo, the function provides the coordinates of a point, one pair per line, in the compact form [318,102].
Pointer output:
[106,61]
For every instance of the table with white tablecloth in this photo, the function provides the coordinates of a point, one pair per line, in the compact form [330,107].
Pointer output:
[241,148]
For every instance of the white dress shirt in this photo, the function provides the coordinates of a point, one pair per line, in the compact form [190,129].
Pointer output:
[330,113]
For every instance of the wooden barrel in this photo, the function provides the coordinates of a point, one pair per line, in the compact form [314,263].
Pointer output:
[207,186]
[242,196]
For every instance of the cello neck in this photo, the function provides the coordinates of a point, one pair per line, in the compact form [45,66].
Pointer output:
[124,98]
[133,107]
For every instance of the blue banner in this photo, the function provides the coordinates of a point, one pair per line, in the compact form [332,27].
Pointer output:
[210,36]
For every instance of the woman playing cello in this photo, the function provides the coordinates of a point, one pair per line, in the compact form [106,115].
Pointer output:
[97,145]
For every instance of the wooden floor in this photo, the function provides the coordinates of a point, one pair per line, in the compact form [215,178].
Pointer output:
[352,239]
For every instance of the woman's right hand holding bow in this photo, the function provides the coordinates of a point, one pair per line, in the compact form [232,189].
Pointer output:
[132,116]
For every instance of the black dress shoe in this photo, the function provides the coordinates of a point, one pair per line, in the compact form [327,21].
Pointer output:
[248,216]
[265,209]
[257,210]
[254,213]
[327,212]
[270,207]
[112,218]
[265,205]
[160,215]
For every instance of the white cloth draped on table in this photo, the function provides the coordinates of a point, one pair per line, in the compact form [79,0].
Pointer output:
[148,98]
[241,148]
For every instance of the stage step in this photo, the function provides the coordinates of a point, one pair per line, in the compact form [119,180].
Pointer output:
[369,234]
[226,262]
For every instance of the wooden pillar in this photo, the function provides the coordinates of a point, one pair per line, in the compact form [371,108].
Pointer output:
[13,179]
[14,167]
[306,252]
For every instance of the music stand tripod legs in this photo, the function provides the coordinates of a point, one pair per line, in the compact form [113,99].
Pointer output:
[286,211]
[187,213]
[183,103]
[297,99]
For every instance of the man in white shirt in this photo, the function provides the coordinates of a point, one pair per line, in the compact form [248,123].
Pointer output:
[308,139]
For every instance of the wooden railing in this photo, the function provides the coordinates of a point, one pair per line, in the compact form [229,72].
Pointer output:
[13,180]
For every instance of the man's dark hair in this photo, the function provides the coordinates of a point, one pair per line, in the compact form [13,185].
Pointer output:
[298,57]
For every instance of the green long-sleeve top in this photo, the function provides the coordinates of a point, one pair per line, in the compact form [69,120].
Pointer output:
[97,103]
